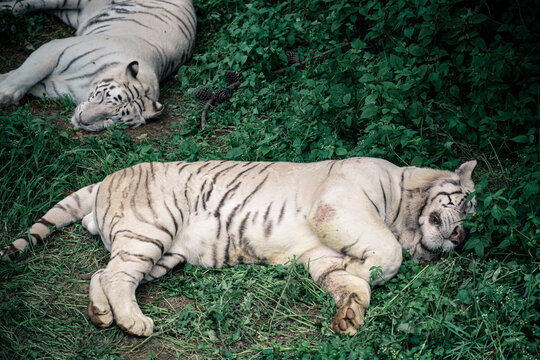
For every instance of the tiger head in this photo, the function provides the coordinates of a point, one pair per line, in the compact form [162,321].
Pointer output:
[122,99]
[444,206]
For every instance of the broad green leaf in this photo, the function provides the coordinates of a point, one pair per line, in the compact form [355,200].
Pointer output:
[416,50]
[522,139]
[417,161]
[408,32]
[368,111]
[497,212]
[371,99]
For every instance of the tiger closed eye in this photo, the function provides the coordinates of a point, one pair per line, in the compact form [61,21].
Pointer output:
[434,218]
[469,208]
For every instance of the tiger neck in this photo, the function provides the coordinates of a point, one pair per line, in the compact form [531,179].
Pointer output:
[415,184]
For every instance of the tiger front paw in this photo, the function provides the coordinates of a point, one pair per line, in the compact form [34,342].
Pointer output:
[350,316]
[8,98]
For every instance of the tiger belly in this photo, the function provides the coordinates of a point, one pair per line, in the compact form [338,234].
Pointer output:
[250,240]
[197,242]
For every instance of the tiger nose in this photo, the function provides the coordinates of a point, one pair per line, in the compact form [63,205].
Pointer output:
[457,235]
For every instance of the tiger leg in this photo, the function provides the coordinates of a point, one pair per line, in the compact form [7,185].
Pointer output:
[99,309]
[131,260]
[371,252]
[373,262]
[350,293]
[373,266]
[37,67]
[363,238]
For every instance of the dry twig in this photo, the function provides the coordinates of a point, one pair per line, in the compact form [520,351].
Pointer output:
[205,110]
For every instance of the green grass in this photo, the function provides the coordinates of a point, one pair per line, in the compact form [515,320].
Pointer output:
[423,83]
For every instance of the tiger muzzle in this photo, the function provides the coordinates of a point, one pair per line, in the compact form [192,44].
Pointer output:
[91,117]
[458,235]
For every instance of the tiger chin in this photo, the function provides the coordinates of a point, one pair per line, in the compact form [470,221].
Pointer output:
[338,218]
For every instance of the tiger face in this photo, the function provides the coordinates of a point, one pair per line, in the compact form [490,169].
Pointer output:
[122,100]
[447,205]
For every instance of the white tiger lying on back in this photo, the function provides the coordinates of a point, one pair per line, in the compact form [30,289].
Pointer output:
[338,218]
[112,68]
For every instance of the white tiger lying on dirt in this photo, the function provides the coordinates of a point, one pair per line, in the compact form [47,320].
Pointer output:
[338,218]
[112,67]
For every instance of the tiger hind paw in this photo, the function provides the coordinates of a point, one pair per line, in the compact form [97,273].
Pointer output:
[8,98]
[138,325]
[349,317]
[99,316]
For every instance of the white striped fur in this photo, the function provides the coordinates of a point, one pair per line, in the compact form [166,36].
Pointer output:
[112,67]
[338,218]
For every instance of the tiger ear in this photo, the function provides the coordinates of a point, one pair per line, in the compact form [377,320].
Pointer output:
[132,69]
[153,109]
[465,170]
[158,107]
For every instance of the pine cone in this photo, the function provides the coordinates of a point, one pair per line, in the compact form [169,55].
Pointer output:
[222,95]
[292,57]
[203,93]
[231,77]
